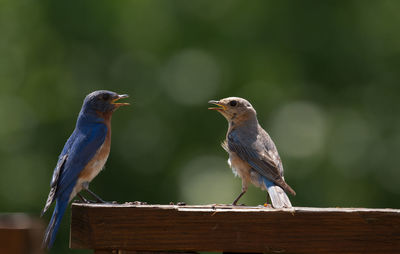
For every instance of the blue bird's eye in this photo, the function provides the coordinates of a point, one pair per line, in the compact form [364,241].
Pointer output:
[106,96]
[233,103]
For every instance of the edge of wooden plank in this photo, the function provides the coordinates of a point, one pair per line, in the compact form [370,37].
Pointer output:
[230,208]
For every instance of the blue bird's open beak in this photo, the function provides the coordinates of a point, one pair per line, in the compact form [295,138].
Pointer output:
[118,104]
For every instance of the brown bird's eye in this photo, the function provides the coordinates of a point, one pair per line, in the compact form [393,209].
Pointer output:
[233,103]
[106,96]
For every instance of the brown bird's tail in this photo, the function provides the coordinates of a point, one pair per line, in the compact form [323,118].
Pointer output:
[278,196]
[285,186]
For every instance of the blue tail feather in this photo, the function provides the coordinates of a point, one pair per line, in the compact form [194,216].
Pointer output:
[54,224]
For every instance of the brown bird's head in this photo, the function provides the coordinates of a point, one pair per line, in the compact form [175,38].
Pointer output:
[234,109]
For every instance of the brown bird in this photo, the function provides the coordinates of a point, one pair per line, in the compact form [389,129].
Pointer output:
[252,153]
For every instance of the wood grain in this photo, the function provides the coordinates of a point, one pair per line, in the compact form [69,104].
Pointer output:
[234,229]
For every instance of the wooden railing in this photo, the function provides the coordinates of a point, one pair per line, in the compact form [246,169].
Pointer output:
[20,234]
[130,228]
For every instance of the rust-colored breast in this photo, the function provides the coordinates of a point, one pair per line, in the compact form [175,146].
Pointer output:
[98,161]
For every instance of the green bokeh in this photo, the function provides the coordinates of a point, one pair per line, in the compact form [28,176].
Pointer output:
[323,76]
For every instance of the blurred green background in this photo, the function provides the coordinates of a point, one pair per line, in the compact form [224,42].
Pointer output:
[323,76]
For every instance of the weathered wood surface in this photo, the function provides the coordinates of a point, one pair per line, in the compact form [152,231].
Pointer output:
[234,229]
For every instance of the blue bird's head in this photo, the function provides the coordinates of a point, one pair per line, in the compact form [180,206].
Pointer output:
[103,102]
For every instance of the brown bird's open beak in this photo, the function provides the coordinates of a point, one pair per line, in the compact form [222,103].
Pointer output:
[121,96]
[220,107]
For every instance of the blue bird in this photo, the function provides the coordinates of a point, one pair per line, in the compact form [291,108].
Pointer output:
[252,153]
[82,157]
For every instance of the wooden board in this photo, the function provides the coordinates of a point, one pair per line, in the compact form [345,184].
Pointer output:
[20,234]
[234,229]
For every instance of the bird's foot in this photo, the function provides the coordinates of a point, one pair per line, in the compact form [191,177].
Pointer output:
[136,203]
[235,204]
[97,201]
[95,196]
[87,201]
[267,205]
[109,202]
[101,201]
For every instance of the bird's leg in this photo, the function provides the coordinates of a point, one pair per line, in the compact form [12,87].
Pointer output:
[266,202]
[85,186]
[83,199]
[237,199]
[99,200]
[244,189]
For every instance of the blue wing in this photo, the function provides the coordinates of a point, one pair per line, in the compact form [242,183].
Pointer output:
[80,148]
[85,142]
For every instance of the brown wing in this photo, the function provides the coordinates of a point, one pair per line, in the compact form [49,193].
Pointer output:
[260,159]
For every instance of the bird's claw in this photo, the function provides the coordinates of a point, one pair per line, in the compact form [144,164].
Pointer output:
[267,205]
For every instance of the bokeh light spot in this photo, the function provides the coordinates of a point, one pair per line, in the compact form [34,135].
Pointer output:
[299,129]
[191,77]
[350,138]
